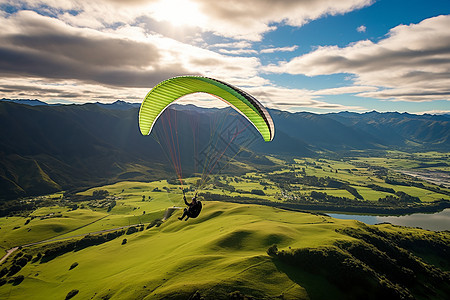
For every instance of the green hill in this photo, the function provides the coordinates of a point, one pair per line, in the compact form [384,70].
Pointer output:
[224,254]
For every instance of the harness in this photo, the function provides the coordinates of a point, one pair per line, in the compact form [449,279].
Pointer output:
[195,210]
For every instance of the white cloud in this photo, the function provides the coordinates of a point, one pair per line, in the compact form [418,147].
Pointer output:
[82,19]
[345,90]
[238,51]
[434,112]
[361,28]
[247,20]
[236,45]
[119,63]
[411,64]
[294,99]
[66,91]
[112,49]
[280,49]
[250,19]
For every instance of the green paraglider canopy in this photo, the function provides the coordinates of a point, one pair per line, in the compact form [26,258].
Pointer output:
[168,91]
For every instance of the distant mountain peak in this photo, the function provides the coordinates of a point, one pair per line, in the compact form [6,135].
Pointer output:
[31,102]
[118,104]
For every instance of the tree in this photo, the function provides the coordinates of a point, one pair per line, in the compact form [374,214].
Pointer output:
[258,192]
[71,294]
[131,230]
[18,279]
[73,265]
[272,250]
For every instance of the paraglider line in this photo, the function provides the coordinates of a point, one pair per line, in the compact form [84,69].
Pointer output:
[216,161]
[171,147]
[176,148]
[209,159]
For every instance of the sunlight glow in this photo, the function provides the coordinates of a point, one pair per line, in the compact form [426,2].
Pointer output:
[178,12]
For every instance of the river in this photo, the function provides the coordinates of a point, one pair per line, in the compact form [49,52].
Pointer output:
[436,221]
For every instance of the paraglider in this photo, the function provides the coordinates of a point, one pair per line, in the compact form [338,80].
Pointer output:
[193,209]
[172,89]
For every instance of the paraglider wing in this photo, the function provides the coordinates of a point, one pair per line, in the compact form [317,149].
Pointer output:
[168,91]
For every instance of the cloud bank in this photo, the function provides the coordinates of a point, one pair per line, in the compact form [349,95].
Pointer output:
[411,64]
[36,46]
[61,56]
[247,20]
[116,49]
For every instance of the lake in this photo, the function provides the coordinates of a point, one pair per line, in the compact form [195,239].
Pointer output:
[437,221]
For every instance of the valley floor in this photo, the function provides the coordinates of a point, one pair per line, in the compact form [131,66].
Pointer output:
[234,250]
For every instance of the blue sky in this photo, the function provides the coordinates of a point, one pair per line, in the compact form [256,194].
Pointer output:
[319,56]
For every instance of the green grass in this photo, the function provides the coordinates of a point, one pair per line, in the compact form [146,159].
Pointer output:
[352,173]
[424,195]
[226,245]
[334,192]
[402,160]
[62,222]
[221,251]
[38,230]
[369,194]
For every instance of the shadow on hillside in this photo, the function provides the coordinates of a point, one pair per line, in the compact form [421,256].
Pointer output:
[236,240]
[207,217]
[316,286]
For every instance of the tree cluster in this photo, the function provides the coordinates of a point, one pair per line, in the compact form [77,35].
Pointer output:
[381,188]
[60,248]
[342,270]
[283,179]
[19,261]
[12,207]
[99,194]
[400,198]
[382,264]
[324,197]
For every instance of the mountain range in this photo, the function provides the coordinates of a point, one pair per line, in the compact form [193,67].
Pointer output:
[46,148]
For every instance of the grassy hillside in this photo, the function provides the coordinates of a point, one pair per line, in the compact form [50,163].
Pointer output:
[224,253]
